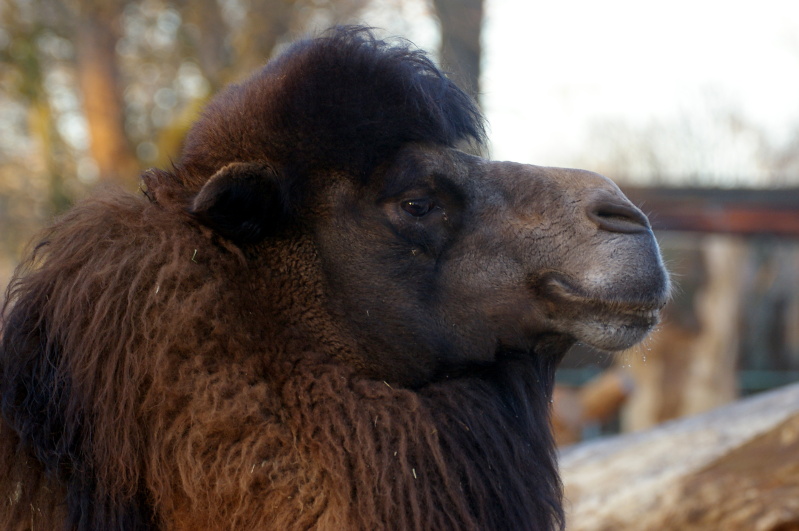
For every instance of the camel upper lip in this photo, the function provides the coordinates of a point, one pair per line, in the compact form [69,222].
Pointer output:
[561,288]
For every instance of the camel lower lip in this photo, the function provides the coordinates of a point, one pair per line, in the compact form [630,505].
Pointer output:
[612,336]
[647,315]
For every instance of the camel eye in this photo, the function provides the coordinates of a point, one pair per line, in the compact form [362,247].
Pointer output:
[417,207]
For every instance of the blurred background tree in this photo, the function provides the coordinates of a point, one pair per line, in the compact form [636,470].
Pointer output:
[95,91]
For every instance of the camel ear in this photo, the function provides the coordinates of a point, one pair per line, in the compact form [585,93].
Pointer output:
[241,202]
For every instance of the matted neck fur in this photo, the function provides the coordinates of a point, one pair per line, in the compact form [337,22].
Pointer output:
[325,316]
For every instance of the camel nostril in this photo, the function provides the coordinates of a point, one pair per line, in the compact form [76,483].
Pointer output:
[618,217]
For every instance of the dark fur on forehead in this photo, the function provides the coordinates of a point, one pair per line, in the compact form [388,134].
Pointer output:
[345,101]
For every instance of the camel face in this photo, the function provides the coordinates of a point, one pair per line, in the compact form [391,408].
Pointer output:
[465,260]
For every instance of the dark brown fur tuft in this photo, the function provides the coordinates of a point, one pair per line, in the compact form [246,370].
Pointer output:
[343,102]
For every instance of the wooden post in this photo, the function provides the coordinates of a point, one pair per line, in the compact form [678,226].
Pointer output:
[733,469]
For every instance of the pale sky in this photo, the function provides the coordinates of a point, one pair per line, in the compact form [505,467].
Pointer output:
[551,69]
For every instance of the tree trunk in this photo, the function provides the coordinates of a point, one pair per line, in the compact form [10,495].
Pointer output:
[461,22]
[213,54]
[99,81]
[735,468]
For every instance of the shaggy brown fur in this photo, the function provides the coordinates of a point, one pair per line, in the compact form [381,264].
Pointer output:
[203,358]
[194,420]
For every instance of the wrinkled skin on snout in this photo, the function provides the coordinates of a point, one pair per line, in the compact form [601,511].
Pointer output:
[444,261]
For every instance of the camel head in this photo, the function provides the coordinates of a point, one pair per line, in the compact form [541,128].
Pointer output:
[431,261]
